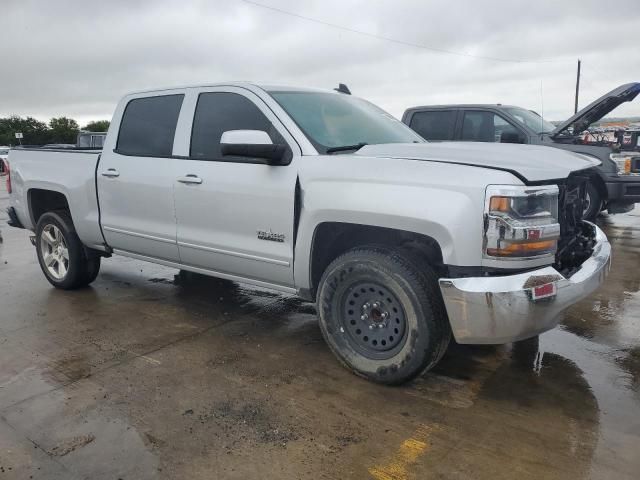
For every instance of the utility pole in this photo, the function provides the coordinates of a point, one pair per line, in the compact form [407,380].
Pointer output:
[575,110]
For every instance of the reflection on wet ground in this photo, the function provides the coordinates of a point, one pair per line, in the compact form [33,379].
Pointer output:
[149,374]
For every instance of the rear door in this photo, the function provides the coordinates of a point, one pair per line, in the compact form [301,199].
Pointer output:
[236,214]
[136,175]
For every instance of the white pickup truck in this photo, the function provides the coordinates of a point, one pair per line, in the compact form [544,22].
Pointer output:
[401,243]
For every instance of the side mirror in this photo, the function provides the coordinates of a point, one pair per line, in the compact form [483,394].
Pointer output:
[253,144]
[511,137]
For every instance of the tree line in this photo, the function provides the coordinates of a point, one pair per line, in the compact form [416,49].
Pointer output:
[35,132]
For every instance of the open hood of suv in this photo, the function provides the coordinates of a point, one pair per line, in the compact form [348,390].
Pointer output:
[530,163]
[598,109]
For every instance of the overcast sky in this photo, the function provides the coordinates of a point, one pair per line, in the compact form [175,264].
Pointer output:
[77,59]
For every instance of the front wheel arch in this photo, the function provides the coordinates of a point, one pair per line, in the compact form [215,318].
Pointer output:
[332,239]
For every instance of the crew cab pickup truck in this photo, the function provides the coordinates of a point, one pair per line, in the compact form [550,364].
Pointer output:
[401,243]
[613,186]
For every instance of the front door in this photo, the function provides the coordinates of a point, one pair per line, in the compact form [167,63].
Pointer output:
[235,215]
[136,178]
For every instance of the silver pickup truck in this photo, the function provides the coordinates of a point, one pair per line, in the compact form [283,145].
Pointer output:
[401,243]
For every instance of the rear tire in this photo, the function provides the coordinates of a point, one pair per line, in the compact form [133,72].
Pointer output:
[381,315]
[61,255]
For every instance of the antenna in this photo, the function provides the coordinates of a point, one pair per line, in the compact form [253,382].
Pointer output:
[575,109]
[541,109]
[342,88]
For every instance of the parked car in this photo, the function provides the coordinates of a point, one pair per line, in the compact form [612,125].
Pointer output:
[401,243]
[4,154]
[88,139]
[615,185]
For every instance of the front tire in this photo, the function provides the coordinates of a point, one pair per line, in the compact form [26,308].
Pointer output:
[61,255]
[593,203]
[382,316]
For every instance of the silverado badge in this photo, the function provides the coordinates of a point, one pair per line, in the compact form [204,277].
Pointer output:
[269,235]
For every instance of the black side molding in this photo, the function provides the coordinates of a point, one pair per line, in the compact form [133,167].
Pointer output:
[13,221]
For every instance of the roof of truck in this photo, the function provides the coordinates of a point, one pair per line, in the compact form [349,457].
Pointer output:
[463,105]
[263,86]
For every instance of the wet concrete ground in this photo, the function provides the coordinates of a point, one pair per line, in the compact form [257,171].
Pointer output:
[141,377]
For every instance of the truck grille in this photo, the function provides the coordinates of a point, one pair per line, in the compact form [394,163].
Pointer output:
[577,238]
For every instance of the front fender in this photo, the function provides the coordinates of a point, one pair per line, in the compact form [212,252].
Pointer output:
[452,217]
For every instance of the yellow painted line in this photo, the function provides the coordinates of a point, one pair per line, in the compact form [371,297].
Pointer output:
[397,468]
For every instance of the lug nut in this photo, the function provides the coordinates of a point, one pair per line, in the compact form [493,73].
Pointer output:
[364,317]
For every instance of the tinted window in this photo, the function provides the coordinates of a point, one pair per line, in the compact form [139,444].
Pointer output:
[486,127]
[148,126]
[217,113]
[435,125]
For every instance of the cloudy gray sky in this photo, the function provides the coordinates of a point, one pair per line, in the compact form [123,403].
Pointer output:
[77,58]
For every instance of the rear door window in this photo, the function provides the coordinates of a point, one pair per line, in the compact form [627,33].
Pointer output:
[434,124]
[148,126]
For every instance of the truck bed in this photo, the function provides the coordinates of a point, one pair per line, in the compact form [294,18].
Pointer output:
[71,172]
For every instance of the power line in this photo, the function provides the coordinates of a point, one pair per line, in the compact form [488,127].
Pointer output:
[389,39]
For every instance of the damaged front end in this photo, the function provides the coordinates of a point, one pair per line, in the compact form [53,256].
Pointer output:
[577,236]
[506,308]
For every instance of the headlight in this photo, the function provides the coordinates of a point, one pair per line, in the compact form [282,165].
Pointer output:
[521,221]
[624,164]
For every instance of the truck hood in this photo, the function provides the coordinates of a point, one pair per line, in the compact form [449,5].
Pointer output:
[530,163]
[598,109]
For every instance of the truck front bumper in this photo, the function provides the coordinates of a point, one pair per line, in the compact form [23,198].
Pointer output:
[495,310]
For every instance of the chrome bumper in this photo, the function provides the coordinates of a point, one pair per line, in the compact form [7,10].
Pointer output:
[494,310]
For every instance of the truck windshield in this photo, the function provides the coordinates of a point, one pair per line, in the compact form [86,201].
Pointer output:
[332,120]
[531,119]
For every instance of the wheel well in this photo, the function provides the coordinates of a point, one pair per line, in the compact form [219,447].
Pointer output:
[597,181]
[332,239]
[43,201]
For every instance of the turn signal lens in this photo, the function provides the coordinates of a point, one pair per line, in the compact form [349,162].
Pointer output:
[499,204]
[524,249]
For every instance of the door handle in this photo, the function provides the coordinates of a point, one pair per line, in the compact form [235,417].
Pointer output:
[111,173]
[190,179]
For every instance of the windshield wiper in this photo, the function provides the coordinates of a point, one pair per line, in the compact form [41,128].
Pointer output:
[343,148]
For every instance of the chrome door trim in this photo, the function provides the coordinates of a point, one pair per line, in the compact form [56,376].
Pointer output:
[248,256]
[140,235]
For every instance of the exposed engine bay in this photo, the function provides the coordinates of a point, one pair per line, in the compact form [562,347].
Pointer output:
[577,237]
